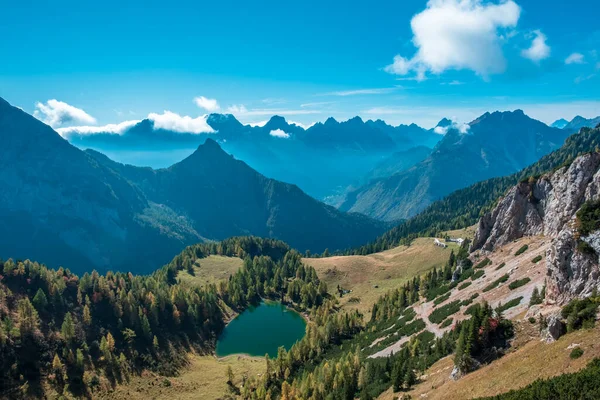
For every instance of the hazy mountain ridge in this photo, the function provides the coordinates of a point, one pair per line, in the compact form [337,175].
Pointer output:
[62,204]
[496,144]
[322,160]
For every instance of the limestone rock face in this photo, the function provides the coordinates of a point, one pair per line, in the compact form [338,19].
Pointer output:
[548,206]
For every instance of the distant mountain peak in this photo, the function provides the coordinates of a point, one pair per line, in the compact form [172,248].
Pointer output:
[331,121]
[355,120]
[444,123]
[223,121]
[559,123]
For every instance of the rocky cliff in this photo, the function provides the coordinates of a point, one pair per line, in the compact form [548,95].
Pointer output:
[551,205]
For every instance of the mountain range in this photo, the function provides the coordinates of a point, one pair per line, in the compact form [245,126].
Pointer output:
[323,159]
[68,207]
[494,144]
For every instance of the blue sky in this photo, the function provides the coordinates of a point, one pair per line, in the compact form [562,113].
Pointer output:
[402,61]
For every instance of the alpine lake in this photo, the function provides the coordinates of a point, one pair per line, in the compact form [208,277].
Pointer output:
[261,330]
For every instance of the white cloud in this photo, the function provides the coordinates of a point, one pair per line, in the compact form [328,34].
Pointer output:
[210,105]
[539,50]
[237,109]
[259,123]
[57,113]
[575,58]
[459,126]
[241,110]
[182,124]
[279,133]
[117,129]
[458,34]
[360,92]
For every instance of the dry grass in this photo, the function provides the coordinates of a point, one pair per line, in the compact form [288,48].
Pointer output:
[386,270]
[205,378]
[532,360]
[211,270]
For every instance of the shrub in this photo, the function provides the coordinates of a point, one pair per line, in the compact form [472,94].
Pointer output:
[510,304]
[580,313]
[440,314]
[477,275]
[483,263]
[532,320]
[522,250]
[576,353]
[497,282]
[464,285]
[518,283]
[441,299]
[588,217]
[500,266]
[447,322]
[585,248]
[537,259]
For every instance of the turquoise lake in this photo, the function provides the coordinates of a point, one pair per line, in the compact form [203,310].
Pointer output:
[261,330]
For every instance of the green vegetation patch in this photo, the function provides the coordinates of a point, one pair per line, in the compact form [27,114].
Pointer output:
[500,266]
[518,283]
[495,284]
[580,313]
[440,314]
[576,353]
[522,250]
[464,285]
[483,263]
[477,275]
[537,259]
[441,299]
[510,304]
[447,322]
[588,217]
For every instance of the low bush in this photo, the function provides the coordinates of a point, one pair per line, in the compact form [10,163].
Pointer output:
[518,283]
[537,259]
[447,322]
[510,304]
[477,275]
[576,353]
[464,285]
[441,313]
[522,250]
[483,263]
[497,282]
[441,299]
[500,266]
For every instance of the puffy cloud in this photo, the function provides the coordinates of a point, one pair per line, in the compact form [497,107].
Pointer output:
[117,129]
[210,105]
[182,124]
[461,127]
[57,113]
[575,58]
[538,50]
[458,34]
[279,133]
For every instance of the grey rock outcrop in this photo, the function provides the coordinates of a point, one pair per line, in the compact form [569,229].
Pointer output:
[555,328]
[548,206]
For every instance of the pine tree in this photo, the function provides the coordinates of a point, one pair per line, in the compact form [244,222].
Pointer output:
[87,315]
[40,301]
[68,327]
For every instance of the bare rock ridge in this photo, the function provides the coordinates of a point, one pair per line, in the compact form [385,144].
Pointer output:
[548,206]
